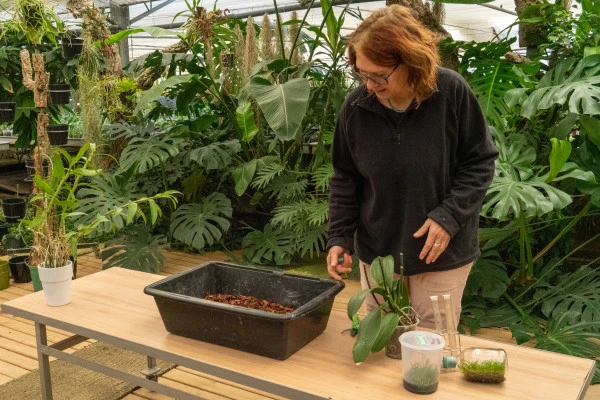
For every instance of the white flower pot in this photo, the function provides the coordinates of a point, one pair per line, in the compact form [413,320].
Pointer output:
[57,284]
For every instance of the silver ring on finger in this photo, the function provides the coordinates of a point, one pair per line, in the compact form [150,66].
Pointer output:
[436,244]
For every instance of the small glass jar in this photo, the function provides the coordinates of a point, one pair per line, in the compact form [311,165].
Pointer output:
[479,364]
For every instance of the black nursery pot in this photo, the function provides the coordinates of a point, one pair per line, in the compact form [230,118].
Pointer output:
[19,269]
[60,93]
[3,229]
[14,209]
[72,47]
[58,134]
[7,112]
[14,242]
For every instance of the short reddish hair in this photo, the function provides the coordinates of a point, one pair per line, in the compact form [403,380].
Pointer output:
[392,36]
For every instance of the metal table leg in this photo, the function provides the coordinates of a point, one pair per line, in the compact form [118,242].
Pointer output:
[44,361]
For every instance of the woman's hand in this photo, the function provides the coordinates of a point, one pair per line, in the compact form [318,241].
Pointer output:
[437,240]
[339,261]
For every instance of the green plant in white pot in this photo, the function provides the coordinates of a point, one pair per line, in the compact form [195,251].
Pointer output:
[393,316]
[55,200]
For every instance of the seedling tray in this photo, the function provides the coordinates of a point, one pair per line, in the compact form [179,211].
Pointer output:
[184,312]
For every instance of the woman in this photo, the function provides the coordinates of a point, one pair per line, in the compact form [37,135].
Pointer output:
[412,160]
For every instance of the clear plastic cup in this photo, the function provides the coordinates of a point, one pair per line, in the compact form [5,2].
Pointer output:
[421,360]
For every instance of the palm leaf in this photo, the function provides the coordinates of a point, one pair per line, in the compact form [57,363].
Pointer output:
[286,187]
[135,248]
[322,176]
[215,155]
[283,105]
[271,246]
[266,173]
[202,224]
[144,154]
[490,76]
[312,241]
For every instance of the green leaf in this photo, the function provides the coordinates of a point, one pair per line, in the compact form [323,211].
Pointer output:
[131,212]
[591,127]
[151,95]
[367,335]
[215,155]
[561,150]
[488,278]
[143,154]
[202,224]
[135,248]
[242,176]
[271,246]
[572,84]
[283,105]
[356,302]
[388,326]
[152,30]
[245,120]
[43,185]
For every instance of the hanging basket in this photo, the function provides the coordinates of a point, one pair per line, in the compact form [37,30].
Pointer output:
[58,134]
[60,93]
[72,47]
[7,112]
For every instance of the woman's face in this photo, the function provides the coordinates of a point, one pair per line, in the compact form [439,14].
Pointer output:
[397,77]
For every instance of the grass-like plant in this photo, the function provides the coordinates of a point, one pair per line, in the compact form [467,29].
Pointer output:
[491,371]
[421,376]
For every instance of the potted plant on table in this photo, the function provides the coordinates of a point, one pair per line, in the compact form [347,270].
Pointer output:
[393,316]
[55,202]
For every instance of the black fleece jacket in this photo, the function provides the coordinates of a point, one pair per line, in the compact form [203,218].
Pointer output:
[435,161]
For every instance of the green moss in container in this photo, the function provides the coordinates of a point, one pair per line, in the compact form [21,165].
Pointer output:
[490,371]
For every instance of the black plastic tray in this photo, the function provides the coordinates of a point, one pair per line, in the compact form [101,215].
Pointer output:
[185,313]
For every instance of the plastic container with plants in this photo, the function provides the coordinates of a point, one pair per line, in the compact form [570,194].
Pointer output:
[421,361]
[479,364]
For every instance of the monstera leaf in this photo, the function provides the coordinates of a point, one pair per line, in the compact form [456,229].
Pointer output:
[573,84]
[270,246]
[144,154]
[135,248]
[283,105]
[488,278]
[100,197]
[215,155]
[202,224]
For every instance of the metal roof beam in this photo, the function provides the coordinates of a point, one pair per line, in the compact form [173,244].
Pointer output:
[151,10]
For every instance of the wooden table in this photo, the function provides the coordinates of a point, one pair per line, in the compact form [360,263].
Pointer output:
[110,306]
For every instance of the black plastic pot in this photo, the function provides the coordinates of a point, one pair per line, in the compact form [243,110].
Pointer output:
[184,311]
[14,209]
[60,93]
[72,47]
[30,166]
[3,229]
[58,134]
[14,242]
[19,269]
[7,112]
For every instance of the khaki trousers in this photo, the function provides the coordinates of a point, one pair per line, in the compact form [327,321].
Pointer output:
[421,286]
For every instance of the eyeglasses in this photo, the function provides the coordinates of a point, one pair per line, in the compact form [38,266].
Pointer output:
[378,79]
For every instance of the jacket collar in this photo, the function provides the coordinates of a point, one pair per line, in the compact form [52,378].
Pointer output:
[368,102]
